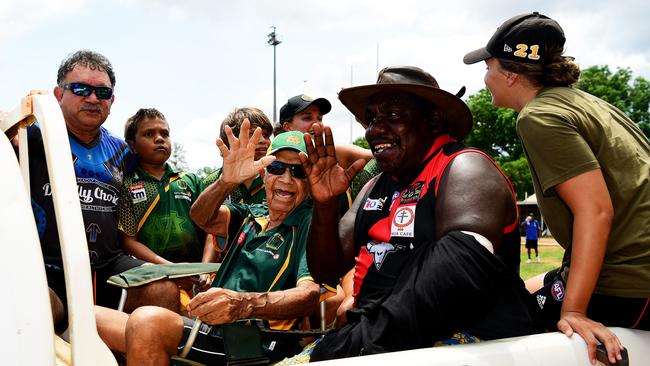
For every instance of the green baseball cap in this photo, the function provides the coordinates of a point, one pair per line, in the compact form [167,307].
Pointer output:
[293,140]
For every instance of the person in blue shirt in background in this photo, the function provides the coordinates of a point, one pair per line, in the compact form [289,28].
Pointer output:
[533,232]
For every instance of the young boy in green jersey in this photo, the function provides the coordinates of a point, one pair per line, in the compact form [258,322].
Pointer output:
[155,201]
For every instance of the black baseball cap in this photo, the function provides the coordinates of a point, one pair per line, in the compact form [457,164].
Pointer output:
[522,38]
[301,102]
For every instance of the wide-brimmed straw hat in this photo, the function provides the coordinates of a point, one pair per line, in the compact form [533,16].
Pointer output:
[412,80]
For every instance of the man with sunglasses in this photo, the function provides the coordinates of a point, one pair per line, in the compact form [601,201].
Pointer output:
[84,91]
[264,274]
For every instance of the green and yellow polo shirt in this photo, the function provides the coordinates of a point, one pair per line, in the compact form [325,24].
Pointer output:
[261,260]
[157,213]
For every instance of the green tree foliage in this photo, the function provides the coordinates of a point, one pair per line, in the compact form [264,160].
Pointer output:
[494,128]
[205,171]
[519,174]
[630,96]
[177,160]
[361,142]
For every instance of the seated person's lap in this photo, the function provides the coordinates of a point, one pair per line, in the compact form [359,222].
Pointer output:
[106,295]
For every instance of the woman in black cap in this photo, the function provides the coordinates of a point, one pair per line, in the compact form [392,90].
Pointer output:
[589,164]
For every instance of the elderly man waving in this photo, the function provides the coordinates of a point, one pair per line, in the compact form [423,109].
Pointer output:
[264,274]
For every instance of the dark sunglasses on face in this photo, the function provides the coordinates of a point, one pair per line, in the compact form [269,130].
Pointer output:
[278,168]
[84,90]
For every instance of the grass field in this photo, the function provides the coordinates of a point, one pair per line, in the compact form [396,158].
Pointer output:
[550,255]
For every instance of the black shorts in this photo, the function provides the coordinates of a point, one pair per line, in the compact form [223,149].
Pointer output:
[207,347]
[612,311]
[104,294]
[210,347]
[531,244]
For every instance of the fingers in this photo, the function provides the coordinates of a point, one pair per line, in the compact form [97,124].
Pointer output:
[354,169]
[564,327]
[321,151]
[233,142]
[611,342]
[264,162]
[329,142]
[223,149]
[243,132]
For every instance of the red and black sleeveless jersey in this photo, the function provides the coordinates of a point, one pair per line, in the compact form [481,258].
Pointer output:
[394,219]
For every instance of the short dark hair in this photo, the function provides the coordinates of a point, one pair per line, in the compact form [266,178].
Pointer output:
[131,126]
[86,58]
[235,118]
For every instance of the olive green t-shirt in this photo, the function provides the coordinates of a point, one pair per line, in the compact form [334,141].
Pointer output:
[566,132]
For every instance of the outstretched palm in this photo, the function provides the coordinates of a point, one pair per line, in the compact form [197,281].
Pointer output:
[239,160]
[327,179]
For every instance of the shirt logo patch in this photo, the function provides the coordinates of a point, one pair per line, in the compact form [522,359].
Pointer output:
[275,242]
[374,204]
[412,193]
[541,299]
[183,196]
[138,193]
[182,184]
[557,290]
[380,251]
[403,224]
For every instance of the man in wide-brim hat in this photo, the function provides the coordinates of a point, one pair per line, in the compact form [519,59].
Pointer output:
[435,235]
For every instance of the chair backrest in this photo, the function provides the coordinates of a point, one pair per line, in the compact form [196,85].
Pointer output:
[86,346]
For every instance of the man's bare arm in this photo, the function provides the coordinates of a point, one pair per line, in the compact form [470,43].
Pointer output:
[475,197]
[220,306]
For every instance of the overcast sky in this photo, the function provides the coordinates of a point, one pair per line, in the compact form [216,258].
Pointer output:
[196,60]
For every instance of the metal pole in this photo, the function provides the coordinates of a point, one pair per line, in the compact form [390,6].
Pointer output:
[275,108]
[274,41]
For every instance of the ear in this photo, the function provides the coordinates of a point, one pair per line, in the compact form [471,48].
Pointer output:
[58,93]
[131,144]
[285,126]
[511,78]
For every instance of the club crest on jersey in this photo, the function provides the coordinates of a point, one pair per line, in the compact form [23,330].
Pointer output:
[403,224]
[557,290]
[138,193]
[374,204]
[380,251]
[412,193]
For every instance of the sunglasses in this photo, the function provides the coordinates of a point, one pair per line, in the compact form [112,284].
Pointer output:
[84,90]
[278,168]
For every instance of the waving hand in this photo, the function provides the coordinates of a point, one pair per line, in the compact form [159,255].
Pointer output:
[239,160]
[327,179]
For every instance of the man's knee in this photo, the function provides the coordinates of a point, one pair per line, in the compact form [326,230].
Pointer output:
[153,328]
[58,311]
[163,293]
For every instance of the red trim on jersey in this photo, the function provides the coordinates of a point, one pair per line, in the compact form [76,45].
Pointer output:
[364,260]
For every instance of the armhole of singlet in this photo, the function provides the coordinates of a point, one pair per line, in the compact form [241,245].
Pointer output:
[439,172]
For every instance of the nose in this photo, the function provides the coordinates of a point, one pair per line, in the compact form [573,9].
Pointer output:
[286,176]
[92,98]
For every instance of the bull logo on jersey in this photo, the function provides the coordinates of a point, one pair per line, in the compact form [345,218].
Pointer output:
[380,251]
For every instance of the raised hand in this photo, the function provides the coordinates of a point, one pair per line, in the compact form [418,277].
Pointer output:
[239,160]
[327,179]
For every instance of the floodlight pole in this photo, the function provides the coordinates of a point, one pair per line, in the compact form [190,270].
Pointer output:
[273,41]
